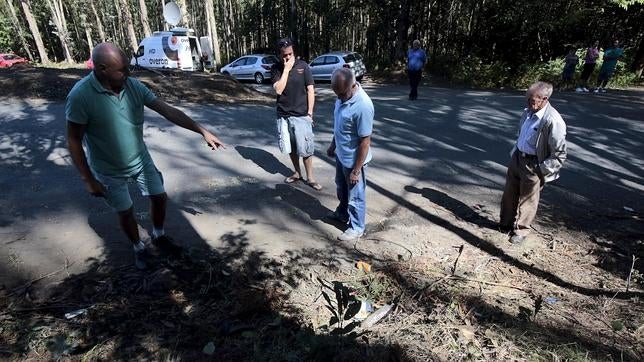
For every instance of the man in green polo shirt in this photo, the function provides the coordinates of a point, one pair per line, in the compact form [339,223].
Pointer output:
[104,113]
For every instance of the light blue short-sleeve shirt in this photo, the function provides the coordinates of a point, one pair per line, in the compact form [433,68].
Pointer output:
[353,120]
[114,133]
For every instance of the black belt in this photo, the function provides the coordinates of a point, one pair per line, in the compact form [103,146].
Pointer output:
[527,156]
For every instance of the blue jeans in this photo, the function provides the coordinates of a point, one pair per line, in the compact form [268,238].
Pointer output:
[353,203]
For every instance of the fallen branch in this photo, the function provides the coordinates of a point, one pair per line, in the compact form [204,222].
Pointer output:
[33,281]
[630,273]
[460,251]
[490,283]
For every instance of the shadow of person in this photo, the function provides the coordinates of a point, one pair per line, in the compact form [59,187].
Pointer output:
[265,160]
[307,204]
[457,207]
[118,248]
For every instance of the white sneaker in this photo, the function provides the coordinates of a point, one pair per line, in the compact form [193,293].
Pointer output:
[579,90]
[596,90]
[603,90]
[349,235]
[585,89]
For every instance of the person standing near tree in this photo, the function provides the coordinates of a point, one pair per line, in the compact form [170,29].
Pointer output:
[570,65]
[611,55]
[590,61]
[104,114]
[416,60]
[293,83]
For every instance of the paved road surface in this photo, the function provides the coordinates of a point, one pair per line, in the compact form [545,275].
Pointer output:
[449,142]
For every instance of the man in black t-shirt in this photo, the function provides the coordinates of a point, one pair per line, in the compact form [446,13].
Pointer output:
[293,83]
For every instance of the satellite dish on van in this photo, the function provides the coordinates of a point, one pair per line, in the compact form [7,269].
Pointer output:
[172,13]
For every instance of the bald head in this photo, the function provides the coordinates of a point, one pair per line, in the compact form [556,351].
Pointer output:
[110,66]
[106,52]
[342,82]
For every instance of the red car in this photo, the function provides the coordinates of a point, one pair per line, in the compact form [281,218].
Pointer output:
[9,60]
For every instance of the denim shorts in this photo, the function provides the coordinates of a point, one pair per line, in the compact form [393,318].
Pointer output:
[117,194]
[300,130]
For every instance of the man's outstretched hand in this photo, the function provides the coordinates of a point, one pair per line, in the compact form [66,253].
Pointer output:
[213,142]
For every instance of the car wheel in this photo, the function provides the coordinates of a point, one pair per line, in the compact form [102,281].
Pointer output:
[259,78]
[226,73]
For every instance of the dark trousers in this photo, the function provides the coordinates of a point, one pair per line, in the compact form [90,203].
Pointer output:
[414,81]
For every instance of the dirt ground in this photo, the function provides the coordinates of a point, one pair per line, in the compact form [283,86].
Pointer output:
[447,282]
[54,84]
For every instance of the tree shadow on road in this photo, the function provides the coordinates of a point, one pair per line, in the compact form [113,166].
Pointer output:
[457,207]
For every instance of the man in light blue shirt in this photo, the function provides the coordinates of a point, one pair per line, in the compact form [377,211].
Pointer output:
[104,114]
[416,59]
[352,128]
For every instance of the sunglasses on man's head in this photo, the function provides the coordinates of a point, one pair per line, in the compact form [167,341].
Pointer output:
[284,43]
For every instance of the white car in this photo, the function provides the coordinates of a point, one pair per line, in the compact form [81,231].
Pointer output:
[323,66]
[256,67]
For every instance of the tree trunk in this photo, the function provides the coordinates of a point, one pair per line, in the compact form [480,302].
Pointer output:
[144,18]
[402,28]
[212,30]
[21,34]
[127,17]
[33,26]
[99,24]
[185,18]
[88,32]
[638,63]
[58,18]
[292,20]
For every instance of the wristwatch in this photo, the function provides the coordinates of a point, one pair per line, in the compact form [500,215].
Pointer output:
[354,173]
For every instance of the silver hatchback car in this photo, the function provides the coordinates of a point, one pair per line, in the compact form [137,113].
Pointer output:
[256,67]
[323,66]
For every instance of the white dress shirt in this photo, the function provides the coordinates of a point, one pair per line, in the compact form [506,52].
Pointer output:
[529,132]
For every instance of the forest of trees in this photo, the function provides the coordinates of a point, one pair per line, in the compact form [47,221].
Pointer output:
[508,32]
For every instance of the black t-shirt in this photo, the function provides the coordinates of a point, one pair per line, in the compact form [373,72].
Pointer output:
[293,100]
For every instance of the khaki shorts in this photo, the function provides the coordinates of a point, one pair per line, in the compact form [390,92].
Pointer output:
[300,130]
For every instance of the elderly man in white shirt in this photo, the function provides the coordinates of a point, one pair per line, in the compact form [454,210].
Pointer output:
[537,158]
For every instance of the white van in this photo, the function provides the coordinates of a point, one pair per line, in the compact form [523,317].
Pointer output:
[174,49]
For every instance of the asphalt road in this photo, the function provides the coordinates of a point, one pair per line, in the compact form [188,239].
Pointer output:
[451,140]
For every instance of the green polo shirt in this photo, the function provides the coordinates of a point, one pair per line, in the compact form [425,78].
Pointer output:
[114,134]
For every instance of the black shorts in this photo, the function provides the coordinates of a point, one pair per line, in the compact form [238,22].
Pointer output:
[588,70]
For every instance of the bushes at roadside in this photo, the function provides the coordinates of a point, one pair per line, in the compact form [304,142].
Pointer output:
[476,72]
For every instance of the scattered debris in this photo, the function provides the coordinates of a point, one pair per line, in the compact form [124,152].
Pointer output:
[76,313]
[374,318]
[550,300]
[209,348]
[363,266]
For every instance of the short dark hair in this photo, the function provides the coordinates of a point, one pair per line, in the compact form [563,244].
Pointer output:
[284,43]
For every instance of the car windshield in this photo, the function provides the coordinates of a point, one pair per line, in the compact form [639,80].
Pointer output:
[349,58]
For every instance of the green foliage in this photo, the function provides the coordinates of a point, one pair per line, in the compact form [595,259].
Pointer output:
[7,38]
[474,72]
[626,3]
